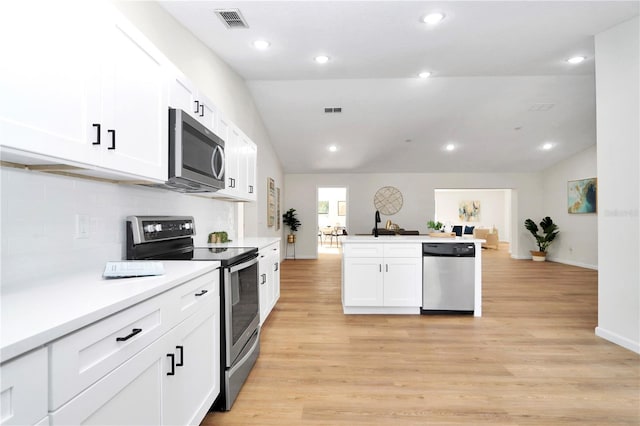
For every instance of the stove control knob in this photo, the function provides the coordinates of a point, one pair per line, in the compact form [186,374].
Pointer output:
[187,225]
[149,228]
[158,227]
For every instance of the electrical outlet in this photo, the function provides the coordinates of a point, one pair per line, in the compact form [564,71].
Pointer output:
[82,226]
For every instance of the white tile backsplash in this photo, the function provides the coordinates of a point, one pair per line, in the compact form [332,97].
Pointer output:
[39,212]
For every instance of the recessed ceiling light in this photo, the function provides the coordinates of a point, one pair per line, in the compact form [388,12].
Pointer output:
[433,18]
[322,59]
[450,147]
[333,148]
[261,44]
[547,146]
[424,74]
[576,59]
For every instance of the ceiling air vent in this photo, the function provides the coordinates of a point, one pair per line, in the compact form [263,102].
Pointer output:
[232,18]
[332,110]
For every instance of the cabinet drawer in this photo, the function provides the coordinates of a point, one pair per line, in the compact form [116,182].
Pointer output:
[363,250]
[403,250]
[23,393]
[188,298]
[83,357]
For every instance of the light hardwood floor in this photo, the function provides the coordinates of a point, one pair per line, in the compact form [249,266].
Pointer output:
[532,359]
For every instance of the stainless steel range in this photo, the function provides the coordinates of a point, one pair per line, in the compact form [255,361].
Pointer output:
[170,238]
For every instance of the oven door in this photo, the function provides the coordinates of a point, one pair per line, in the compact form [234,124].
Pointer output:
[241,307]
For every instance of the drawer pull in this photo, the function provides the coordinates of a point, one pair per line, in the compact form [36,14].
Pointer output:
[202,293]
[172,372]
[129,336]
[181,362]
[276,266]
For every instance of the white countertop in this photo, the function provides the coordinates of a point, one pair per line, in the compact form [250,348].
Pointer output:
[43,311]
[260,242]
[359,239]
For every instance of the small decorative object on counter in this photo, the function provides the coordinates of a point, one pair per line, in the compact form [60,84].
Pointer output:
[436,226]
[219,237]
[291,220]
[544,240]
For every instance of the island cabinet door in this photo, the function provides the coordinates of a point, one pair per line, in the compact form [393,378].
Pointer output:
[402,282]
[363,278]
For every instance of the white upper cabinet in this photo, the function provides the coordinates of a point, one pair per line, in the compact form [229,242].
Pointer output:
[185,96]
[91,90]
[240,162]
[49,78]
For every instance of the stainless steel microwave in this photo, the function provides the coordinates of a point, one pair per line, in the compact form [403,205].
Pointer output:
[196,155]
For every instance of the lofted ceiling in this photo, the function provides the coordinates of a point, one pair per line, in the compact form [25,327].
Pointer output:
[500,86]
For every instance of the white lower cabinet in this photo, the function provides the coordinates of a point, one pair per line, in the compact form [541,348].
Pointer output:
[171,380]
[382,276]
[23,389]
[190,391]
[269,280]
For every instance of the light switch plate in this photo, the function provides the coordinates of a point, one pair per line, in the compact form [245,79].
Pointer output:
[82,226]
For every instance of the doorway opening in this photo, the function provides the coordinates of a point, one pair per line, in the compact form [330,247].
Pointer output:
[468,209]
[332,218]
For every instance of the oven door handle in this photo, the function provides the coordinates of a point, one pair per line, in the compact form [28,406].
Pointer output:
[243,265]
[248,353]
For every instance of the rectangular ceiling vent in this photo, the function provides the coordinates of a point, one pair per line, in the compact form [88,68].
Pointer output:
[332,110]
[232,18]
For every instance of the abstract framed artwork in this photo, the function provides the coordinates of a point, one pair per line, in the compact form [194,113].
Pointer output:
[323,207]
[582,195]
[469,211]
[271,202]
[342,208]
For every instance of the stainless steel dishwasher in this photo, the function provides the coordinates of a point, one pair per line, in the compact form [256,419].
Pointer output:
[448,278]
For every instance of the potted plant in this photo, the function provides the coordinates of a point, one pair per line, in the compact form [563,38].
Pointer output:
[291,220]
[436,226]
[549,233]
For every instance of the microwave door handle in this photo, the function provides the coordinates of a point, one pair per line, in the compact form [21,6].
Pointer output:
[217,151]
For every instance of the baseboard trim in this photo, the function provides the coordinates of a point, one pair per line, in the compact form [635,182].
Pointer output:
[618,340]
[563,261]
[573,263]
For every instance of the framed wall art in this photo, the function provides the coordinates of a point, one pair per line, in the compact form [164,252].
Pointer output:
[342,208]
[469,211]
[582,195]
[323,207]
[271,202]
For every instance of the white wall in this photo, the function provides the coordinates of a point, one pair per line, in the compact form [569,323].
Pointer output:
[577,242]
[418,201]
[618,128]
[494,211]
[38,221]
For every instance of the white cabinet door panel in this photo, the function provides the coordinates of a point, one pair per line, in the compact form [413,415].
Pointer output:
[135,105]
[35,115]
[23,390]
[402,282]
[364,280]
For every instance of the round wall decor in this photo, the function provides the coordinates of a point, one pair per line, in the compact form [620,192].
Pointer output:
[388,200]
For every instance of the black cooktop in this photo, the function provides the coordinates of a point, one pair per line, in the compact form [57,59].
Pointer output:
[226,255]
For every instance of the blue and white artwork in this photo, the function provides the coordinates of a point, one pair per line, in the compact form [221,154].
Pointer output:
[582,195]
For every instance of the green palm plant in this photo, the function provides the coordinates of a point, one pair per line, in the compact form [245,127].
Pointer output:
[549,232]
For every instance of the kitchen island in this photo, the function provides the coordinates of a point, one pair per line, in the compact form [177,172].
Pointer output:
[383,275]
